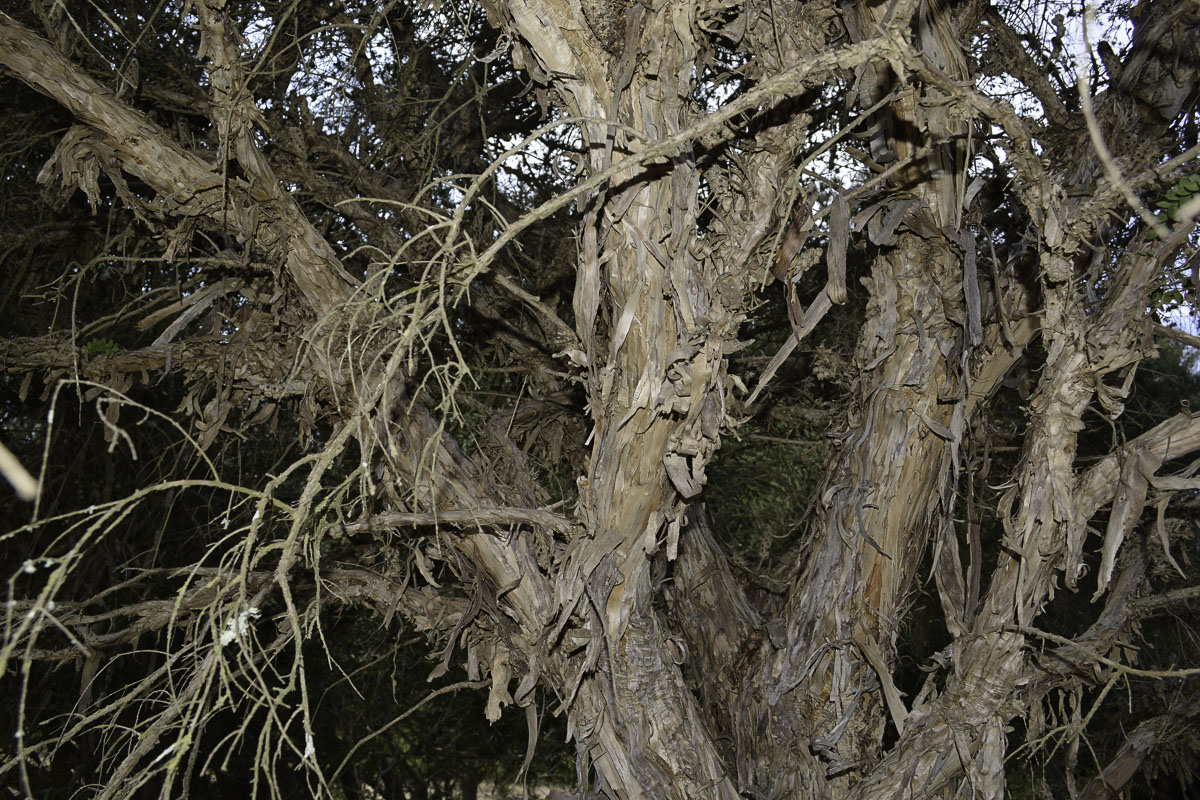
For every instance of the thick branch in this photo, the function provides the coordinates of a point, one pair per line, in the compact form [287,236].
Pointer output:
[718,625]
[1179,720]
[466,518]
[185,184]
[200,358]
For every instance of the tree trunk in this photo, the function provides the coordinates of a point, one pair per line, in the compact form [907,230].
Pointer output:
[679,679]
[808,712]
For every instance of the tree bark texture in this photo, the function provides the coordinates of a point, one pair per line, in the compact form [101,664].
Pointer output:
[678,678]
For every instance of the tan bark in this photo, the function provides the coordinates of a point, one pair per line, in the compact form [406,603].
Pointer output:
[712,694]
[123,139]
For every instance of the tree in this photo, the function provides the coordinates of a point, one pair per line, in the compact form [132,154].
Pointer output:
[405,312]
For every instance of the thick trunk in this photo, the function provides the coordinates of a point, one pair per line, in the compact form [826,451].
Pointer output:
[890,490]
[676,684]
[804,714]
[654,361]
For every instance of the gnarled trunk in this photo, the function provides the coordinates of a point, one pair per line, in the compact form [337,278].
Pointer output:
[695,193]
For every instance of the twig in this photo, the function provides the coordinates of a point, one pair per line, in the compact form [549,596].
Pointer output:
[1125,668]
[454,687]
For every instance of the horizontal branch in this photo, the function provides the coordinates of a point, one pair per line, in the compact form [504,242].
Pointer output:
[1179,336]
[1154,602]
[458,517]
[1108,662]
[200,355]
[765,95]
[425,612]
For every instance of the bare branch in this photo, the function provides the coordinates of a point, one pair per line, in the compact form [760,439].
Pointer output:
[127,139]
[465,518]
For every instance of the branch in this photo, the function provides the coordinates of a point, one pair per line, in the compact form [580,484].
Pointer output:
[423,610]
[1179,336]
[1111,170]
[200,357]
[25,485]
[708,607]
[1170,439]
[466,517]
[762,97]
[185,184]
[990,665]
[1022,67]
[1151,604]
[1108,662]
[1138,746]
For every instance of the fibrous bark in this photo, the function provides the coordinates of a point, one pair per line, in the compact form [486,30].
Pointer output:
[697,193]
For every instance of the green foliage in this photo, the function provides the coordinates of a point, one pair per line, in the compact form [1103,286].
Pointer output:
[1178,196]
[760,488]
[101,347]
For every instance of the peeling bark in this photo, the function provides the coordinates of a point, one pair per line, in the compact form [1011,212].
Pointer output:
[679,677]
